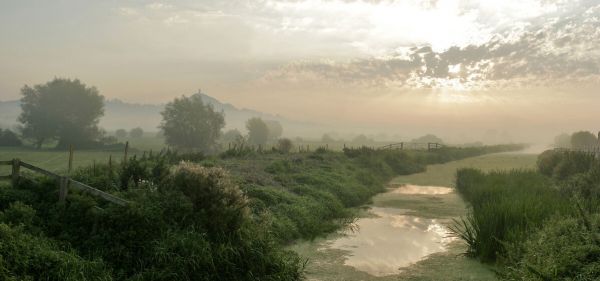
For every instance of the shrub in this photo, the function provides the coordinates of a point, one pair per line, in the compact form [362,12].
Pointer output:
[18,213]
[213,195]
[564,249]
[547,162]
[284,145]
[26,257]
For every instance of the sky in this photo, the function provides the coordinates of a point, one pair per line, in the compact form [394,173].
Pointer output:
[527,69]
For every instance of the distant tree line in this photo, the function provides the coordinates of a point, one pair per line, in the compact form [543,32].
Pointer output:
[581,139]
[135,133]
[67,112]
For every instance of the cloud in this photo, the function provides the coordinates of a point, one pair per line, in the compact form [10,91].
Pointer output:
[553,49]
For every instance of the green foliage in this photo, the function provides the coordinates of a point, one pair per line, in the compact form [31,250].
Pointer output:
[190,125]
[307,195]
[275,129]
[563,164]
[284,145]
[506,208]
[18,213]
[9,138]
[258,131]
[564,249]
[192,222]
[27,257]
[232,136]
[212,194]
[194,226]
[62,109]
[528,222]
[547,162]
[583,139]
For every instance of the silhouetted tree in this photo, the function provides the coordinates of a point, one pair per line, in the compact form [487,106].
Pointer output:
[232,136]
[136,133]
[62,109]
[190,124]
[582,139]
[258,132]
[326,138]
[361,139]
[275,129]
[284,145]
[121,133]
[563,140]
[428,138]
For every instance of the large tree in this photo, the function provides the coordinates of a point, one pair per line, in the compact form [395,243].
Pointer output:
[583,139]
[62,109]
[191,125]
[136,133]
[258,132]
[275,129]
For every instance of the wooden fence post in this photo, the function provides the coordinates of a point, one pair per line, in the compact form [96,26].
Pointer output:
[64,189]
[16,171]
[126,151]
[70,159]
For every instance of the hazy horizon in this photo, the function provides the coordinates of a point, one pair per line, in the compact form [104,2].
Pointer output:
[527,69]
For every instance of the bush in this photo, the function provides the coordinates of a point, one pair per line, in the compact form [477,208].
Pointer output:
[284,145]
[564,249]
[25,257]
[194,226]
[18,213]
[212,194]
[547,162]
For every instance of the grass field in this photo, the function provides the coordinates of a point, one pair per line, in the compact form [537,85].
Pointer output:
[57,160]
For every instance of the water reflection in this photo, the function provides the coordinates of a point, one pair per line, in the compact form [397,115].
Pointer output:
[421,189]
[391,240]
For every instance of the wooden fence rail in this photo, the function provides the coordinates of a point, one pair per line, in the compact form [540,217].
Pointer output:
[413,146]
[64,182]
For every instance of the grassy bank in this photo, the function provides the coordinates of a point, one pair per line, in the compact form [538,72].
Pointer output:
[199,222]
[535,224]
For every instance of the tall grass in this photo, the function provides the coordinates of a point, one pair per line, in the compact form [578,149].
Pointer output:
[505,208]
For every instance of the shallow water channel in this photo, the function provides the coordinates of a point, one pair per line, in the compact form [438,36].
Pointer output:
[403,234]
[391,238]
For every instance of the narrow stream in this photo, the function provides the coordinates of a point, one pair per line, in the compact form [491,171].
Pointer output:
[403,234]
[374,247]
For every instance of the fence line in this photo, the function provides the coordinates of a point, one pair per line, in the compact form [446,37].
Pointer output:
[64,182]
[413,145]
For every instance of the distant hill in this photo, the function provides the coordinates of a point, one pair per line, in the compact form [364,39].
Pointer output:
[124,115]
